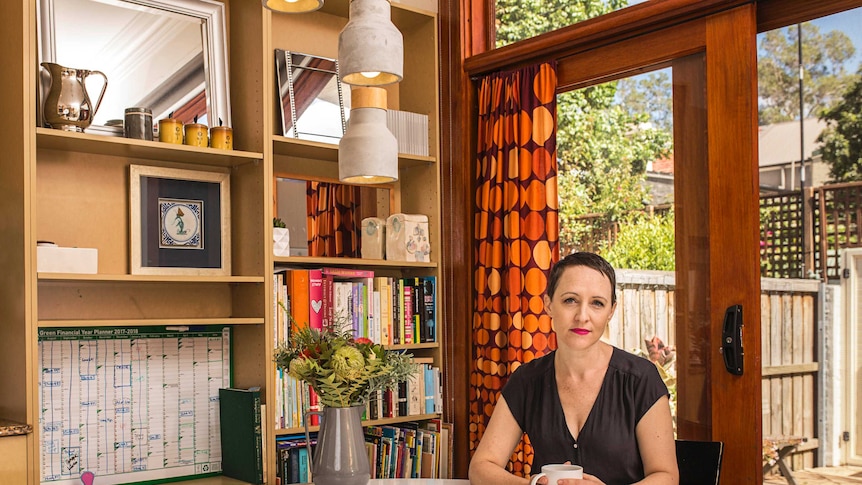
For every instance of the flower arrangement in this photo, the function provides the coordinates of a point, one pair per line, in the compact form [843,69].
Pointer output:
[344,371]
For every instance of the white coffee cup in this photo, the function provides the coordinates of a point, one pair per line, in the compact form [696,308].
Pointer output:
[558,472]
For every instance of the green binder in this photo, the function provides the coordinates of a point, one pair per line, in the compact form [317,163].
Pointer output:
[240,434]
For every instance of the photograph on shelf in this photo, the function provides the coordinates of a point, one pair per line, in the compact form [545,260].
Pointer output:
[180,222]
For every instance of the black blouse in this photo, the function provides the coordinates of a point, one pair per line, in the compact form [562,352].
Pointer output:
[607,445]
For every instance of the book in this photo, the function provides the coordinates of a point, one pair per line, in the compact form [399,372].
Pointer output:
[298,294]
[429,309]
[416,388]
[303,464]
[241,440]
[402,400]
[315,299]
[430,388]
[407,305]
[382,288]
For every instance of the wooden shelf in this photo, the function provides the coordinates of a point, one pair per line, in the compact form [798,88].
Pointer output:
[370,422]
[426,345]
[216,480]
[50,139]
[180,322]
[328,152]
[119,278]
[350,262]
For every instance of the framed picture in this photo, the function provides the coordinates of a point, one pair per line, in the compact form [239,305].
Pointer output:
[180,222]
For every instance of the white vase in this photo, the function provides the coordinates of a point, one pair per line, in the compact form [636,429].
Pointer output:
[280,241]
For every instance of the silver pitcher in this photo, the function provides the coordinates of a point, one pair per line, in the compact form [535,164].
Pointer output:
[67,105]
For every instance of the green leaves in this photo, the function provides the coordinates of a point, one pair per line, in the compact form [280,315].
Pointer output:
[842,139]
[343,371]
[644,242]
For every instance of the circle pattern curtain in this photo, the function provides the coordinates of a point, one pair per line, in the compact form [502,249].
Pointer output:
[516,235]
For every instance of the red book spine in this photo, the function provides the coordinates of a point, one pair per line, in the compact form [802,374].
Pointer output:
[408,314]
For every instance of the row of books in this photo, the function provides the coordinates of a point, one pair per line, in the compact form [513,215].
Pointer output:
[420,395]
[409,450]
[387,310]
[292,460]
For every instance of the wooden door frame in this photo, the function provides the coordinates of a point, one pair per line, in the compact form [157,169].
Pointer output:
[851,338]
[666,32]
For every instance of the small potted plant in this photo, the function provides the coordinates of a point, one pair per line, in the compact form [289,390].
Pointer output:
[280,238]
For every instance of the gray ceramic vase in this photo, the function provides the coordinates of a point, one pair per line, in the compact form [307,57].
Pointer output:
[340,457]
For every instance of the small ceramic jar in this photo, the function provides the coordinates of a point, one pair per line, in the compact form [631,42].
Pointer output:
[171,130]
[221,137]
[196,135]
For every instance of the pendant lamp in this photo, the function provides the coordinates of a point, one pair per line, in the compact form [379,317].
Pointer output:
[370,47]
[368,151]
[292,6]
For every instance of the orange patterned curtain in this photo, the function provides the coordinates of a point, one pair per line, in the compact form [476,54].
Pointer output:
[516,235]
[333,219]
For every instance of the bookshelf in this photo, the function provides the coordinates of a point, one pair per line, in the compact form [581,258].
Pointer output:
[73,189]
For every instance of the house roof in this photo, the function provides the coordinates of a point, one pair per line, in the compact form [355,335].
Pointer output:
[779,142]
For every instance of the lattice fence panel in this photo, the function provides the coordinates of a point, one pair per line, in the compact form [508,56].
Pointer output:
[781,236]
[838,211]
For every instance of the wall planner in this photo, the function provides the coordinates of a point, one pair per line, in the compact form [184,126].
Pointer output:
[131,404]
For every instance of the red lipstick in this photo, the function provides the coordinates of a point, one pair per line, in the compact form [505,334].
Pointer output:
[580,331]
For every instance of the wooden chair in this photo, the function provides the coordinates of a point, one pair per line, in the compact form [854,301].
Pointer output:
[699,461]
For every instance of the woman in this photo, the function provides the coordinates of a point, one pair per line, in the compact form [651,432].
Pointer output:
[588,402]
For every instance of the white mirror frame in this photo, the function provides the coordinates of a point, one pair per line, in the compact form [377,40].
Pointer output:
[214,39]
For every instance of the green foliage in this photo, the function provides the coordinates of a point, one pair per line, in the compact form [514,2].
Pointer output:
[523,19]
[644,242]
[602,148]
[823,55]
[277,222]
[344,371]
[842,139]
[602,152]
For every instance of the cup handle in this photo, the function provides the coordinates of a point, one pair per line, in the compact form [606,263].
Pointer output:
[536,478]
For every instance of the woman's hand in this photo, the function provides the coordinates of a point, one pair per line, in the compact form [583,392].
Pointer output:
[587,480]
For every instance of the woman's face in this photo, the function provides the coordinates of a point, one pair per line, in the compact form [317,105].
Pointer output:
[581,307]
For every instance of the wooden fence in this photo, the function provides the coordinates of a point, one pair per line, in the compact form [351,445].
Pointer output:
[645,309]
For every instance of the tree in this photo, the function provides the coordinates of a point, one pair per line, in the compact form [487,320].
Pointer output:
[522,19]
[602,154]
[824,56]
[842,138]
[649,94]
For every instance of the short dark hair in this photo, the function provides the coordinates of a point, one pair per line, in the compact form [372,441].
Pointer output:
[590,260]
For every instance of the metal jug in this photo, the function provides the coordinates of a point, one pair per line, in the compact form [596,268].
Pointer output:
[67,105]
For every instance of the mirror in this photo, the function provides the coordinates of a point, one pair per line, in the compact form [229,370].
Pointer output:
[312,101]
[166,55]
[292,208]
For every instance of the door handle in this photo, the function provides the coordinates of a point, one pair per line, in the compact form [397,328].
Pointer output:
[731,340]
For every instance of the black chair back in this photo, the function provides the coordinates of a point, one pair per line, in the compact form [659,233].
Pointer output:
[699,461]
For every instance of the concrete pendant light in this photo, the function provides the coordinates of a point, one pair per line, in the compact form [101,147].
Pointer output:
[368,151]
[292,6]
[370,47]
